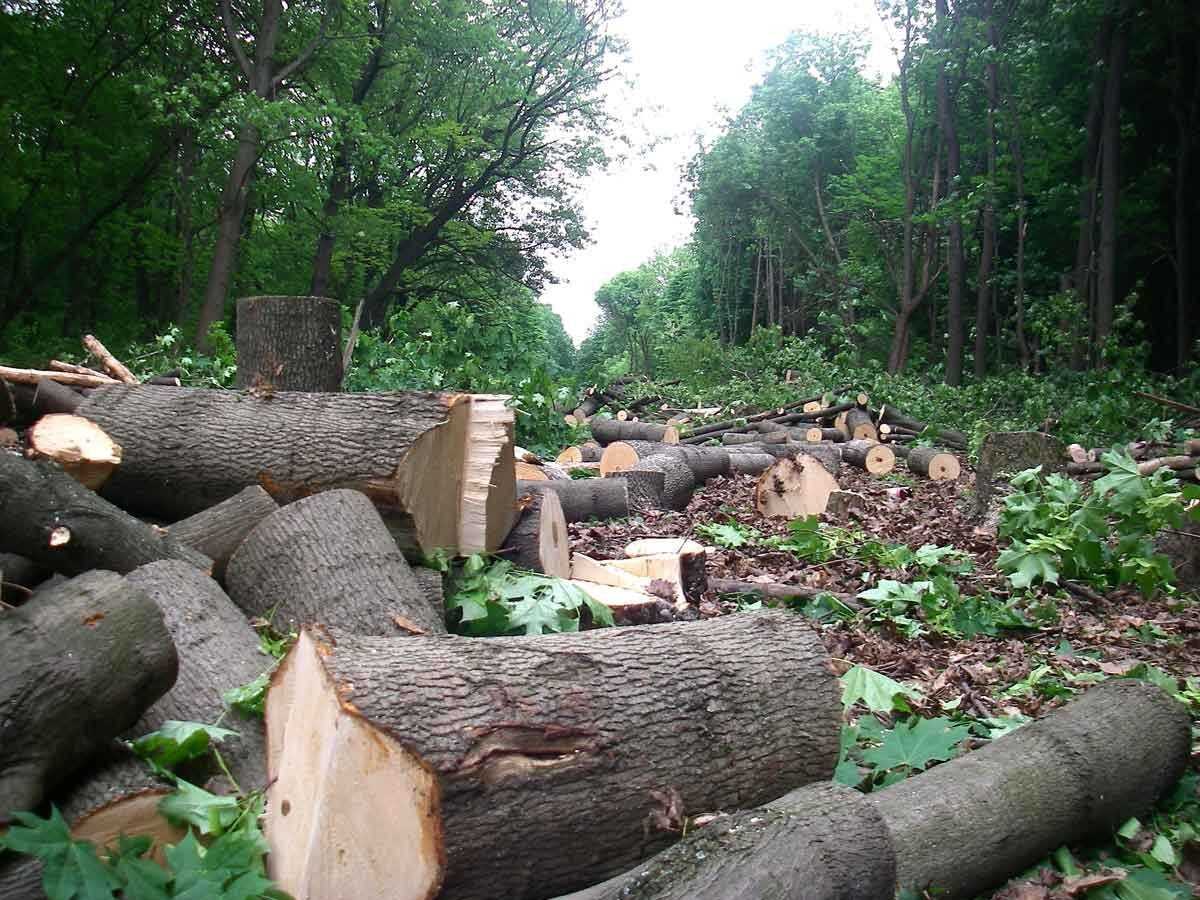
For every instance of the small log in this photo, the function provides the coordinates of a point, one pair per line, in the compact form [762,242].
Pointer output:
[1077,453]
[218,531]
[679,482]
[933,463]
[52,397]
[605,431]
[659,546]
[83,661]
[947,436]
[539,542]
[812,406]
[860,425]
[869,455]
[1148,467]
[588,452]
[55,521]
[489,799]
[816,435]
[684,570]
[329,559]
[1192,447]
[9,438]
[629,606]
[794,488]
[59,366]
[750,463]
[111,364]
[705,462]
[438,466]
[845,504]
[586,498]
[33,376]
[81,447]
[289,344]
[165,381]
[529,472]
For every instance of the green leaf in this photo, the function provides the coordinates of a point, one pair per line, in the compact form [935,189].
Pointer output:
[191,805]
[876,691]
[70,869]
[1164,852]
[176,742]
[916,745]
[1145,884]
[250,698]
[729,535]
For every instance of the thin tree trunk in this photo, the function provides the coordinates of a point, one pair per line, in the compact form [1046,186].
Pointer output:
[757,280]
[1110,157]
[1187,114]
[955,263]
[1022,226]
[987,250]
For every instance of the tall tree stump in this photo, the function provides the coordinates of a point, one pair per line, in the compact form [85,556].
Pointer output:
[289,344]
[484,766]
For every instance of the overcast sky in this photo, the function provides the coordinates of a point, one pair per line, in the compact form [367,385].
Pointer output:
[689,62]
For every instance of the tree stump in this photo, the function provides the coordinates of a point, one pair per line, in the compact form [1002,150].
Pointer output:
[289,344]
[1005,453]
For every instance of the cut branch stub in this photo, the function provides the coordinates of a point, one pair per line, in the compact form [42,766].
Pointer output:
[389,784]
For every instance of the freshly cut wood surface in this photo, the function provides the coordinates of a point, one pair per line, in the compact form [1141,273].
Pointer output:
[587,452]
[81,447]
[934,464]
[529,472]
[657,546]
[539,541]
[869,455]
[629,606]
[860,425]
[389,785]
[794,488]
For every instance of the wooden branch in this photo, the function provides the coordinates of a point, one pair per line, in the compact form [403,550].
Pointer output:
[59,366]
[235,42]
[32,376]
[1167,401]
[111,364]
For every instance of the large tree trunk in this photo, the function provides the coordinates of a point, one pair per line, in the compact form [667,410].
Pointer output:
[589,742]
[55,521]
[1110,185]
[606,431]
[219,530]
[439,466]
[1187,117]
[289,344]
[679,482]
[330,559]
[83,661]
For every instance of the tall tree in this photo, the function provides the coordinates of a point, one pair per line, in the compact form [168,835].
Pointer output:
[1110,173]
[955,260]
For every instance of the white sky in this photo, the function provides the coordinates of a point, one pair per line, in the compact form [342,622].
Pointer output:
[690,61]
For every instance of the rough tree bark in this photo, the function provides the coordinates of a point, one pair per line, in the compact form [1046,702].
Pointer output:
[217,531]
[606,431]
[590,734]
[1110,184]
[955,262]
[539,541]
[289,344]
[586,498]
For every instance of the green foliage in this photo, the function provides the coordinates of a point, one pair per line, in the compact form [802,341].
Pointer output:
[937,606]
[176,742]
[1103,536]
[729,535]
[250,698]
[496,599]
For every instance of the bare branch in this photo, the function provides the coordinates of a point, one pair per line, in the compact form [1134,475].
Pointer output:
[235,42]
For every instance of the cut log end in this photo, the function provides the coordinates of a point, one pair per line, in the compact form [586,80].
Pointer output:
[539,541]
[81,447]
[793,488]
[529,472]
[933,464]
[376,794]
[618,457]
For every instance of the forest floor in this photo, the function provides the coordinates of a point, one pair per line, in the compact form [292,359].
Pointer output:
[1073,641]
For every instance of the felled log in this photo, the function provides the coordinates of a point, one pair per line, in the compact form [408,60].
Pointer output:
[493,799]
[589,451]
[586,498]
[18,577]
[218,651]
[794,488]
[217,531]
[685,569]
[83,661]
[610,573]
[1148,467]
[860,425]
[934,464]
[329,559]
[844,504]
[539,540]
[777,591]
[644,487]
[439,466]
[289,343]
[605,431]
[828,455]
[947,436]
[81,447]
[778,851]
[869,455]
[595,397]
[529,472]
[51,397]
[750,463]
[113,366]
[705,462]
[816,435]
[628,605]
[55,521]
[679,482]
[1076,774]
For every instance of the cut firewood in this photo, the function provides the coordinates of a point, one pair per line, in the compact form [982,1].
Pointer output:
[52,397]
[946,436]
[750,463]
[388,786]
[704,462]
[584,568]
[816,435]
[539,540]
[869,455]
[218,651]
[812,406]
[83,661]
[289,343]
[111,364]
[605,431]
[628,606]
[81,447]
[55,521]
[586,498]
[587,452]
[679,482]
[329,559]
[33,376]
[659,546]
[1078,454]
[933,464]
[860,425]
[686,571]
[529,472]
[218,531]
[794,488]
[439,466]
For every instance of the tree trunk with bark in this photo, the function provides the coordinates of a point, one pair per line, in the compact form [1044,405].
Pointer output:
[606,431]
[289,344]
[1110,184]
[330,559]
[539,541]
[219,530]
[438,466]
[593,739]
[586,498]
[955,262]
[987,249]
[55,715]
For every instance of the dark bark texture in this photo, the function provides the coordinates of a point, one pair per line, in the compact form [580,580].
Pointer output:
[50,518]
[53,716]
[586,498]
[605,431]
[219,530]
[289,344]
[678,481]
[539,541]
[329,559]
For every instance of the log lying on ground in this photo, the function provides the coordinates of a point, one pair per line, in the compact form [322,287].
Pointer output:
[869,455]
[931,462]
[218,651]
[289,343]
[528,472]
[503,791]
[51,397]
[947,436]
[684,566]
[81,447]
[539,541]
[586,498]
[83,661]
[219,530]
[779,851]
[629,606]
[612,574]
[679,482]
[59,366]
[605,431]
[1078,773]
[860,426]
[750,463]
[439,466]
[595,397]
[645,488]
[1148,467]
[329,559]
[18,577]
[585,452]
[794,488]
[816,435]
[55,521]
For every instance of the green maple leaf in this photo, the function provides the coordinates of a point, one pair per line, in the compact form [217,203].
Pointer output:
[175,742]
[1026,566]
[728,535]
[916,745]
[1127,485]
[70,868]
[878,692]
[210,813]
[1144,884]
[537,614]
